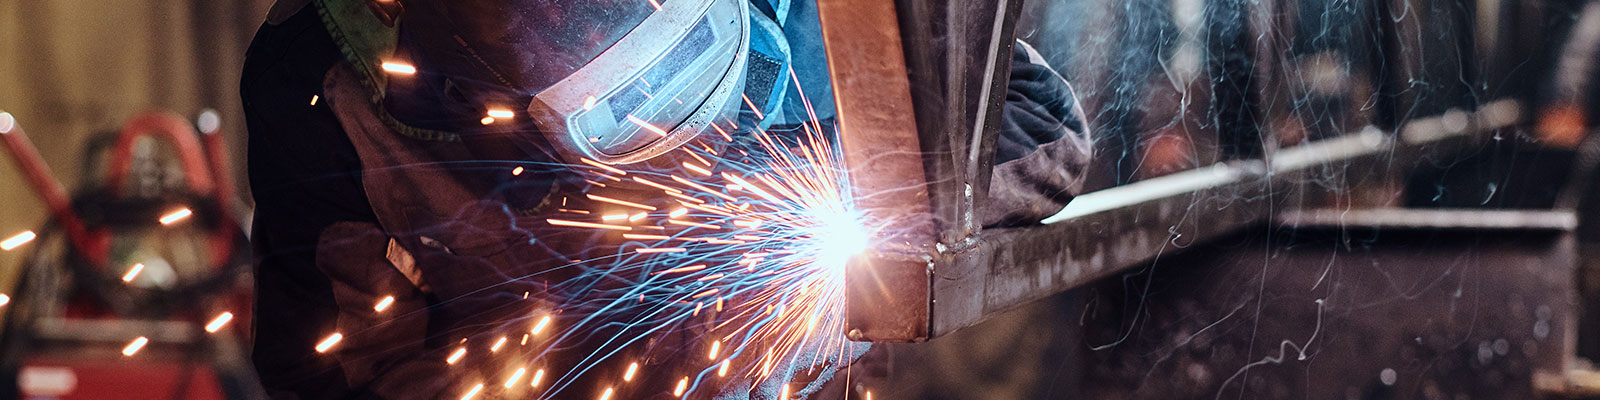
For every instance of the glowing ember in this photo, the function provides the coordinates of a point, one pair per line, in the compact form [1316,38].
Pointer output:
[328,343]
[399,68]
[133,347]
[220,321]
[383,304]
[176,216]
[133,272]
[17,240]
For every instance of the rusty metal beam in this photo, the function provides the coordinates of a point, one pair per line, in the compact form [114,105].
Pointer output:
[1106,232]
[888,287]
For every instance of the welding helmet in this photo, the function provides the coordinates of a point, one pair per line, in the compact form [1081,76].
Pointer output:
[614,81]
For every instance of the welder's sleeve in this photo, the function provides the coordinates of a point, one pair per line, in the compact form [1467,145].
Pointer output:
[322,264]
[1044,145]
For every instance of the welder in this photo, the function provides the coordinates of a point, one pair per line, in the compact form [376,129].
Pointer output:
[381,131]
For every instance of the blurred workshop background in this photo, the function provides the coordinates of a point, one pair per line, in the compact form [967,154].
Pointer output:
[72,69]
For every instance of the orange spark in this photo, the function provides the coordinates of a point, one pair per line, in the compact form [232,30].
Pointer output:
[328,343]
[473,393]
[133,272]
[620,202]
[696,169]
[133,347]
[218,322]
[17,240]
[632,369]
[562,222]
[597,164]
[383,304]
[646,125]
[175,216]
[515,376]
[541,324]
[399,68]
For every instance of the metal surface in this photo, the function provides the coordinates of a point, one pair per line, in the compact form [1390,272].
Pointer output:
[1108,231]
[1346,311]
[888,289]
[959,57]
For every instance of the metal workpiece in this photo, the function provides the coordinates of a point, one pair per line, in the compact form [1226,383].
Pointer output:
[878,137]
[958,54]
[1109,231]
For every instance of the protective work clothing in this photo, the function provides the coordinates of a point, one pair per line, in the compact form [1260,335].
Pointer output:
[373,187]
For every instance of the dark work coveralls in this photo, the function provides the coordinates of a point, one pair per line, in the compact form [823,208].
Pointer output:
[349,211]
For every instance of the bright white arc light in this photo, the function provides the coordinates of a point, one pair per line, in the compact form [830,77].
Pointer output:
[840,236]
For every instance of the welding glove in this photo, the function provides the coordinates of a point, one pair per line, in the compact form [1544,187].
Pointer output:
[1044,145]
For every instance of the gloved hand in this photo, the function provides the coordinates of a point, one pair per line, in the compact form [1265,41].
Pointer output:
[1044,145]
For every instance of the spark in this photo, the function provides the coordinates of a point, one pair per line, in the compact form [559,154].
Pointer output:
[328,343]
[17,240]
[399,68]
[456,356]
[753,107]
[473,393]
[486,120]
[656,4]
[608,168]
[133,272]
[646,125]
[588,103]
[498,344]
[745,246]
[516,171]
[515,376]
[540,326]
[176,216]
[133,347]
[620,202]
[562,222]
[314,99]
[383,304]
[697,169]
[220,321]
[501,113]
[4,299]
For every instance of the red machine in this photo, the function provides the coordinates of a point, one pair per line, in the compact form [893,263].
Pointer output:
[136,288]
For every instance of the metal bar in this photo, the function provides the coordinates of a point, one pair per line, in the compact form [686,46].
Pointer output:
[888,288]
[1106,232]
[986,127]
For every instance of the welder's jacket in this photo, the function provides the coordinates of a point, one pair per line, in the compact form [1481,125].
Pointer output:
[353,207]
